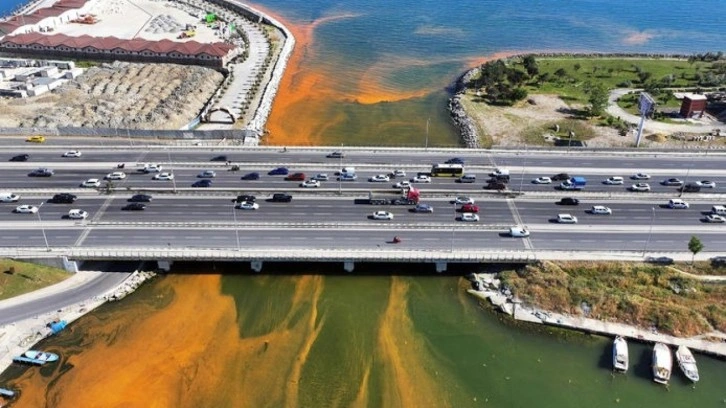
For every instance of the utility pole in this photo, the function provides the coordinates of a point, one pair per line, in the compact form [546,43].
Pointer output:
[426,147]
[521,182]
[236,230]
[42,228]
[650,230]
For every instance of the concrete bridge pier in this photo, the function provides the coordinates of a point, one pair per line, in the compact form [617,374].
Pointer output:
[441,266]
[349,266]
[256,265]
[164,265]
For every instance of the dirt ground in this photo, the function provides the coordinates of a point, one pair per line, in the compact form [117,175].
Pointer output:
[124,95]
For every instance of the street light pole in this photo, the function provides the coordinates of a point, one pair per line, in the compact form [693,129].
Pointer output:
[427,133]
[650,230]
[685,180]
[236,230]
[42,228]
[340,172]
[171,170]
[453,230]
[521,182]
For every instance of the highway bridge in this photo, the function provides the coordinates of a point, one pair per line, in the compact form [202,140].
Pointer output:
[330,223]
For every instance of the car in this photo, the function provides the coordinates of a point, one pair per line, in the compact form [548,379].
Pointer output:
[73,153]
[141,198]
[310,184]
[423,208]
[706,184]
[690,188]
[600,210]
[715,218]
[247,205]
[560,177]
[677,204]
[455,160]
[295,177]
[207,174]
[165,176]
[245,197]
[566,219]
[382,215]
[469,208]
[41,172]
[496,186]
[469,217]
[202,183]
[398,173]
[134,207]
[321,177]
[568,201]
[518,232]
[336,155]
[151,168]
[614,181]
[463,200]
[91,183]
[26,209]
[116,175]
[542,180]
[281,198]
[467,178]
[63,198]
[640,187]
[640,176]
[251,176]
[402,184]
[421,179]
[672,182]
[661,260]
[379,178]
[36,139]
[280,171]
[77,214]
[220,158]
[348,177]
[9,198]
[20,158]
[502,178]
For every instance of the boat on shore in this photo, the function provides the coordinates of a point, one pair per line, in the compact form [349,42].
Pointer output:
[36,357]
[662,363]
[687,363]
[620,354]
[5,393]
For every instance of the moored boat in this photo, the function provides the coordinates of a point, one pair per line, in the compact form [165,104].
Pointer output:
[662,363]
[36,357]
[620,354]
[687,363]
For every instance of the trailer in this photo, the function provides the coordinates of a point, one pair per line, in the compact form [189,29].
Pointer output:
[408,196]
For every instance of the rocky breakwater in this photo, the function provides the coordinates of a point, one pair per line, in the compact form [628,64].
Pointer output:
[462,121]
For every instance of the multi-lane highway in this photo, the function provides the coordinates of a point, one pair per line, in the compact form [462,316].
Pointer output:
[330,217]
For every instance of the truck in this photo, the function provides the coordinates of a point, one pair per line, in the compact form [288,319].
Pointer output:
[574,183]
[408,196]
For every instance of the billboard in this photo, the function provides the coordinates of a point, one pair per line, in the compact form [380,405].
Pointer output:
[646,104]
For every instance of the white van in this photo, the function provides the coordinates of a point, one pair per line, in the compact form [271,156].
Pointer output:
[718,209]
[347,170]
[6,197]
[499,172]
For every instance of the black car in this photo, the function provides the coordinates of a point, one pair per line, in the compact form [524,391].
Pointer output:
[336,155]
[502,178]
[568,201]
[140,198]
[134,207]
[20,157]
[41,172]
[220,158]
[496,186]
[202,183]
[245,197]
[561,177]
[251,176]
[281,198]
[63,198]
[690,188]
[454,160]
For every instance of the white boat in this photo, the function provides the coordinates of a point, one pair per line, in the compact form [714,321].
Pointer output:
[662,363]
[620,354]
[687,363]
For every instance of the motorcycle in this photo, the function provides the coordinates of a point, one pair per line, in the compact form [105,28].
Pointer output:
[396,240]
[121,165]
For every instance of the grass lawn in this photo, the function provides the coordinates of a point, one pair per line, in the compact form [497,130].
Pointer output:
[633,293]
[27,277]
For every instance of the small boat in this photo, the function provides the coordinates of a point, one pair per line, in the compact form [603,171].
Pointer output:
[662,363]
[7,393]
[620,354]
[36,357]
[687,363]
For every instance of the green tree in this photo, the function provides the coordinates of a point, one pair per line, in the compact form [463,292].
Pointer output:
[530,65]
[597,95]
[577,66]
[695,246]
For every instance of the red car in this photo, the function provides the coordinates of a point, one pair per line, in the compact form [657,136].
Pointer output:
[296,177]
[469,208]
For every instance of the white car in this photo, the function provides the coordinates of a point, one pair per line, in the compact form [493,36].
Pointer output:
[116,175]
[310,184]
[207,174]
[518,232]
[73,153]
[542,180]
[91,183]
[246,205]
[166,176]
[469,217]
[640,187]
[464,200]
[26,209]
[399,173]
[379,178]
[706,184]
[151,168]
[566,219]
[421,179]
[614,181]
[640,176]
[402,184]
[382,215]
[600,210]
[321,177]
[678,204]
[77,214]
[715,218]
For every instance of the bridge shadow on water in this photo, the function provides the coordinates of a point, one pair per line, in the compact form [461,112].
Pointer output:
[115,266]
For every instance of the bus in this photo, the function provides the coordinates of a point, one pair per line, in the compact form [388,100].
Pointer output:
[447,170]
